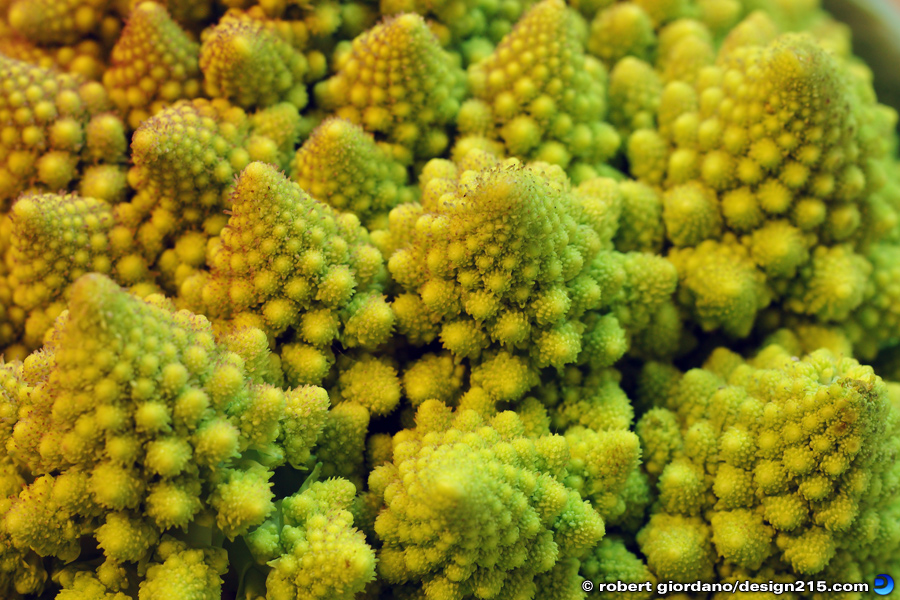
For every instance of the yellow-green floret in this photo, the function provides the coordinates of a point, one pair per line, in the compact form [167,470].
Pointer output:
[445,300]
[505,258]
[312,546]
[153,64]
[185,159]
[770,157]
[398,83]
[493,499]
[541,94]
[56,239]
[53,126]
[254,61]
[777,464]
[289,262]
[138,420]
[342,165]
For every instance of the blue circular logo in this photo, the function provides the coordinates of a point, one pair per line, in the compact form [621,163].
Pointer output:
[884,585]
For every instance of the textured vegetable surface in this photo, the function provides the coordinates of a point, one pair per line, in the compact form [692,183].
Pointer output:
[444,300]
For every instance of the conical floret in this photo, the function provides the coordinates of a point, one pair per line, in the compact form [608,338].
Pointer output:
[56,21]
[342,165]
[289,261]
[186,156]
[153,63]
[505,255]
[418,91]
[541,94]
[55,240]
[772,156]
[253,62]
[136,420]
[54,123]
[459,476]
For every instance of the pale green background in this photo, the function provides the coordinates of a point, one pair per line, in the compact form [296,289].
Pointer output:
[876,39]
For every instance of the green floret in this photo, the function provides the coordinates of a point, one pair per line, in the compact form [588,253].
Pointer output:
[104,182]
[40,519]
[242,499]
[690,214]
[305,364]
[433,377]
[56,239]
[156,440]
[317,552]
[778,159]
[84,585]
[684,48]
[187,256]
[802,338]
[287,261]
[593,412]
[126,537]
[876,323]
[493,498]
[720,16]
[601,463]
[545,98]
[620,30]
[777,462]
[21,569]
[507,257]
[86,58]
[185,158]
[648,282]
[831,285]
[153,64]
[780,249]
[341,445]
[469,27]
[720,285]
[252,345]
[418,91]
[54,125]
[603,200]
[13,390]
[646,152]
[342,166]
[503,377]
[179,571]
[254,61]
[305,413]
[641,226]
[790,183]
[634,94]
[611,562]
[665,335]
[326,22]
[370,381]
[590,398]
[756,29]
[56,21]
[677,547]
